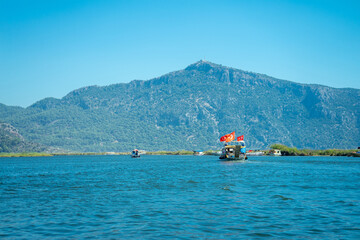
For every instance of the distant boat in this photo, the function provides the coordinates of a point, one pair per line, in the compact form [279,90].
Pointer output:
[255,153]
[275,152]
[234,150]
[198,153]
[135,153]
[217,153]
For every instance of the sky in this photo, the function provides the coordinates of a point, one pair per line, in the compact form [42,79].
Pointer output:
[49,48]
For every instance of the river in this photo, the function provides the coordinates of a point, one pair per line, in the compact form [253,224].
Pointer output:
[179,197]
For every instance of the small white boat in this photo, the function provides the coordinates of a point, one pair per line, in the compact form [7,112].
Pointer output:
[198,153]
[255,153]
[217,153]
[275,152]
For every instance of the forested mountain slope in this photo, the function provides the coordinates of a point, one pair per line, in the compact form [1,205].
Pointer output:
[191,109]
[12,141]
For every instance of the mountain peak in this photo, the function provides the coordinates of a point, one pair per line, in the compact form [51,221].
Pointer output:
[203,65]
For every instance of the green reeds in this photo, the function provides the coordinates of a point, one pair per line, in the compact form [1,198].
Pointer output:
[293,151]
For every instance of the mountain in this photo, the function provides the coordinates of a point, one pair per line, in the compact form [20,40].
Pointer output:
[190,109]
[12,141]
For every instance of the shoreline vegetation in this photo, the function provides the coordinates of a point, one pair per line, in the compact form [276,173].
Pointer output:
[285,150]
[293,151]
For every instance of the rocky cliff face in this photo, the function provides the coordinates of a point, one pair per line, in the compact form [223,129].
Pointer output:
[192,108]
[12,141]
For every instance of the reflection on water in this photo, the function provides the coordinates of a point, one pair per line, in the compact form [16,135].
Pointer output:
[155,197]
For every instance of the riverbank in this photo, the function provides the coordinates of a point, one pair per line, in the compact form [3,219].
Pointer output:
[286,151]
[182,152]
[293,151]
[26,155]
[58,154]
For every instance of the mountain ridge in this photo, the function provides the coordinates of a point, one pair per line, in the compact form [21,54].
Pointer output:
[200,61]
[190,67]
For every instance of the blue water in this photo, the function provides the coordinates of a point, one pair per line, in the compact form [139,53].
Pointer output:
[182,197]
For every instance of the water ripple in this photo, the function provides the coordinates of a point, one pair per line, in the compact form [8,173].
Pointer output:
[182,197]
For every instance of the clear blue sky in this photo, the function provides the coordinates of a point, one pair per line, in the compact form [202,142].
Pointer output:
[51,47]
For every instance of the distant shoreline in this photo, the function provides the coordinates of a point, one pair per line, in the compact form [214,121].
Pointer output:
[328,152]
[34,154]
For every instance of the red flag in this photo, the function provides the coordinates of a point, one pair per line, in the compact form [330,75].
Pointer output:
[231,137]
[228,137]
[241,138]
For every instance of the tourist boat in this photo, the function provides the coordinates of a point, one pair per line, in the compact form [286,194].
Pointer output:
[234,150]
[135,153]
[275,152]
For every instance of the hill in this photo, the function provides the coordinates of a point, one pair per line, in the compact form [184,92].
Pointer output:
[191,109]
[12,141]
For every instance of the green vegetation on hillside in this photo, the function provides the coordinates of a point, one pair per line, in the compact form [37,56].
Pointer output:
[12,141]
[191,109]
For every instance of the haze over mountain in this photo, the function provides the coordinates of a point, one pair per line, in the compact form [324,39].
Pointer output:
[191,109]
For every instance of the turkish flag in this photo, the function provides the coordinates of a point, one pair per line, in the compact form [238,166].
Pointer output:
[241,138]
[228,137]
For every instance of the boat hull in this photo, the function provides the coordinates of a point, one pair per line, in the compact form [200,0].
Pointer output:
[231,158]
